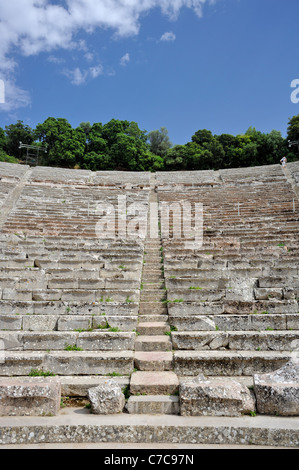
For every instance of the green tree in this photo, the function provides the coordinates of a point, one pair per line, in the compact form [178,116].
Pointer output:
[51,131]
[66,146]
[86,127]
[159,142]
[2,139]
[202,136]
[16,133]
[293,136]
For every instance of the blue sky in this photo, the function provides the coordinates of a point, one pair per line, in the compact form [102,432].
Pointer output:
[223,65]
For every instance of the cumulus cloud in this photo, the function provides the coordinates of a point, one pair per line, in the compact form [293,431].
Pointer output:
[169,36]
[125,59]
[29,27]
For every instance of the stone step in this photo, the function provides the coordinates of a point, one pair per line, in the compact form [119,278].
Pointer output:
[153,255]
[153,343]
[253,322]
[150,318]
[152,274]
[88,341]
[50,322]
[154,405]
[146,308]
[236,307]
[66,430]
[151,296]
[154,383]
[228,363]
[153,360]
[149,286]
[64,363]
[237,341]
[51,306]
[153,328]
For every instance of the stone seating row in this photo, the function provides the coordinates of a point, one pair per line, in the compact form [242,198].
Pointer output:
[121,320]
[11,171]
[99,178]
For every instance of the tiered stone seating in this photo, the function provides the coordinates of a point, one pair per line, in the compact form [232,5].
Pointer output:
[294,170]
[83,301]
[10,176]
[69,294]
[234,301]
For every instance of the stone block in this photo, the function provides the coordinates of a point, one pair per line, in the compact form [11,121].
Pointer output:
[289,293]
[154,405]
[43,341]
[11,341]
[63,283]
[106,341]
[215,397]
[39,322]
[89,363]
[193,323]
[106,398]
[10,322]
[29,396]
[46,295]
[74,322]
[16,295]
[268,293]
[154,383]
[277,393]
[78,296]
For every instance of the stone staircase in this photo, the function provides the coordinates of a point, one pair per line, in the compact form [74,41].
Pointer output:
[154,386]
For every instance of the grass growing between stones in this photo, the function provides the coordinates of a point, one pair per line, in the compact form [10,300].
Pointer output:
[40,373]
[72,347]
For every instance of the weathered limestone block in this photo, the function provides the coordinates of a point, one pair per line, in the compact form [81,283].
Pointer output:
[215,397]
[29,396]
[277,393]
[74,322]
[16,295]
[288,293]
[39,322]
[193,323]
[107,398]
[240,289]
[106,341]
[268,293]
[10,322]
[46,295]
[10,341]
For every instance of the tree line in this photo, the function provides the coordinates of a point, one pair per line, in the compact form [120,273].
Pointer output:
[121,145]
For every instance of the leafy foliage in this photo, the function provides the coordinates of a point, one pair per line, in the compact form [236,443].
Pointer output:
[121,145]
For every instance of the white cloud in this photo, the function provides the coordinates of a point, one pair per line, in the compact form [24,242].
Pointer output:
[14,96]
[79,77]
[76,76]
[55,60]
[88,56]
[125,59]
[28,27]
[96,71]
[169,36]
